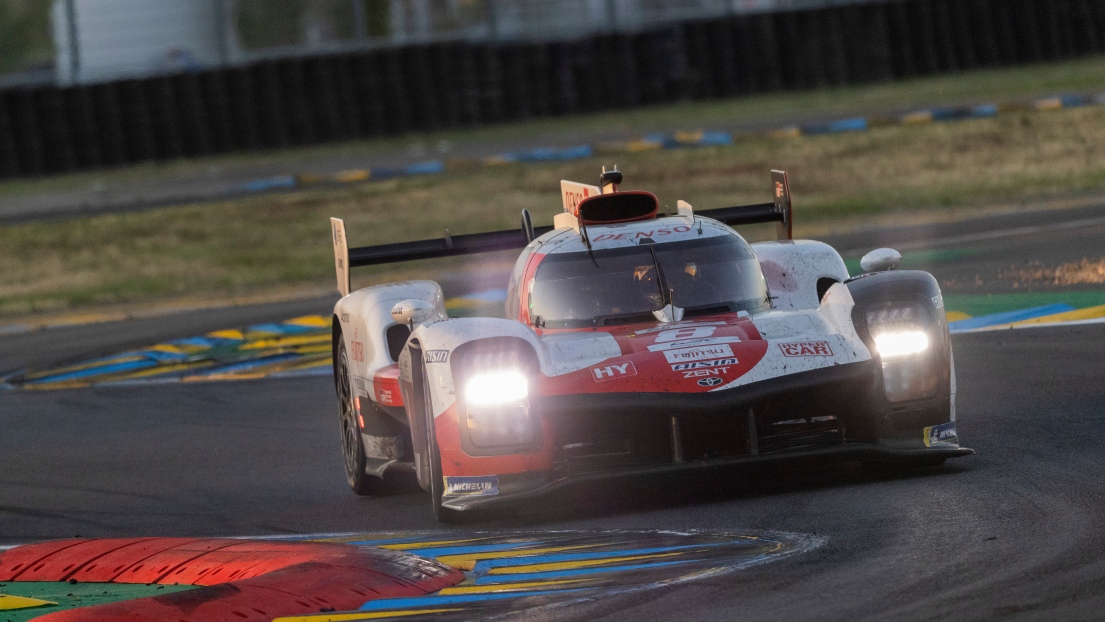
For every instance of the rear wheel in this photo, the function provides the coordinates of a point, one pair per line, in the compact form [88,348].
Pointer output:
[352,444]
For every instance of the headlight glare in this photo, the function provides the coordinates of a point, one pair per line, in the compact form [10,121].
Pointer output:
[496,388]
[497,409]
[901,343]
[900,331]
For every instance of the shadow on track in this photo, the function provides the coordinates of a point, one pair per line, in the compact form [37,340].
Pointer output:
[639,494]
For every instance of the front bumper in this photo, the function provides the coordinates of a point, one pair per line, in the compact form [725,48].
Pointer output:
[521,487]
[834,414]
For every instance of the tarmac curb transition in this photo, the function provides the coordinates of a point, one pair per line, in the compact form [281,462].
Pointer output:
[235,579]
[521,574]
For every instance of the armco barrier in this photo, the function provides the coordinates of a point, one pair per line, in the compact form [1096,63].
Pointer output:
[314,100]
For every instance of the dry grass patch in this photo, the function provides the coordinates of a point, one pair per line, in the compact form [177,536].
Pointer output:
[243,246]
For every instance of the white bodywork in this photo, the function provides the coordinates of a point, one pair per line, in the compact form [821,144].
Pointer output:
[365,316]
[792,270]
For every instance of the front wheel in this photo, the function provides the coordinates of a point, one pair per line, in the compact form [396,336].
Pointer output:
[437,479]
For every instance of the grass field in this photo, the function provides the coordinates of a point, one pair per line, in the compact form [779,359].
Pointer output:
[281,242]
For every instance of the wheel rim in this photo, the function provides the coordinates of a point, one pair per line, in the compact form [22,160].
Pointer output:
[350,429]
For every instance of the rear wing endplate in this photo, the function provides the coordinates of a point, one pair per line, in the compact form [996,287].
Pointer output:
[345,258]
[341,255]
[778,211]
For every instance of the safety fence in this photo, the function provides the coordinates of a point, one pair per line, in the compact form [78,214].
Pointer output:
[312,100]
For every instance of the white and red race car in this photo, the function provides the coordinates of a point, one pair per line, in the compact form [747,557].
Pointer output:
[638,343]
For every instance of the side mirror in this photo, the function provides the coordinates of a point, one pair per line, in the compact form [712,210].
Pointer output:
[413,311]
[880,259]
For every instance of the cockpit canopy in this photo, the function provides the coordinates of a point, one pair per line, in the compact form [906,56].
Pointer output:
[625,285]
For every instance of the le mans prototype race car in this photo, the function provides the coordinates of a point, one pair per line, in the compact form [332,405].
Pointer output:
[638,343]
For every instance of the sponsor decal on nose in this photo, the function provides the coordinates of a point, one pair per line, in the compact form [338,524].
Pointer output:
[704,364]
[614,370]
[700,353]
[806,348]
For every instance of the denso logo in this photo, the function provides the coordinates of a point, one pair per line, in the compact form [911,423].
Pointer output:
[806,348]
[574,198]
[641,234]
[610,372]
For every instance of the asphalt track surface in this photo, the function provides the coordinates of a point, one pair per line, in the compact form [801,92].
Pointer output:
[1012,533]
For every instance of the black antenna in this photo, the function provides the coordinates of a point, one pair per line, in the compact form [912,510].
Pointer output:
[610,178]
[527,226]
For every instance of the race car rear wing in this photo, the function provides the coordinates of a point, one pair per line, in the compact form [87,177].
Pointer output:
[778,211]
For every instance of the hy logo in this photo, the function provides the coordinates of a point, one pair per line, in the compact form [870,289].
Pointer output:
[613,371]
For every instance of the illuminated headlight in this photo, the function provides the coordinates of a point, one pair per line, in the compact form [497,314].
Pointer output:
[494,388]
[497,409]
[902,342]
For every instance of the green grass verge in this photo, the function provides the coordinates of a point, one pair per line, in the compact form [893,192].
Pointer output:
[918,260]
[976,305]
[282,242]
[76,595]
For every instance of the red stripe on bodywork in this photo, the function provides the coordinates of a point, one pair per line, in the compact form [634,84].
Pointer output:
[454,461]
[385,386]
[652,370]
[242,579]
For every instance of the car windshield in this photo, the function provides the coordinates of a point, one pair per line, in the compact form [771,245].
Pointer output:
[623,285]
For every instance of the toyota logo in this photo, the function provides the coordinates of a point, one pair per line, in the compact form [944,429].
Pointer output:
[709,382]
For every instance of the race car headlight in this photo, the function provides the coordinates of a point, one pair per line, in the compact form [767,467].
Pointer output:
[901,336]
[497,410]
[495,388]
[901,343]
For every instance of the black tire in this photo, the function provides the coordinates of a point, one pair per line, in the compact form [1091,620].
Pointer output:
[352,445]
[437,479]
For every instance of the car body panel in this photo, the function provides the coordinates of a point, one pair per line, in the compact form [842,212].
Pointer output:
[798,374]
